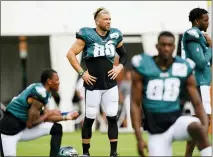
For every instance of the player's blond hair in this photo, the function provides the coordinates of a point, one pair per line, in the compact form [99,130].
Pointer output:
[100,10]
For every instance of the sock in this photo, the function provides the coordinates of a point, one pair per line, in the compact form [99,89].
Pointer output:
[206,151]
[113,146]
[55,142]
[55,145]
[86,148]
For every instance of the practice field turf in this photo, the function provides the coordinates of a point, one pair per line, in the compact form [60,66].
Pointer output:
[99,145]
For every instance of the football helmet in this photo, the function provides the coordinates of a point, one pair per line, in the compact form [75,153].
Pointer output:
[68,151]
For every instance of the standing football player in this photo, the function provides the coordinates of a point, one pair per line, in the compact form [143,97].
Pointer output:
[198,47]
[26,120]
[99,46]
[156,85]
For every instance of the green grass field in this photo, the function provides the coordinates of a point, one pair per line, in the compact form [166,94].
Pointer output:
[99,145]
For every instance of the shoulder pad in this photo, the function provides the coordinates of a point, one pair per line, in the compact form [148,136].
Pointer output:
[82,33]
[136,60]
[191,63]
[41,91]
[193,33]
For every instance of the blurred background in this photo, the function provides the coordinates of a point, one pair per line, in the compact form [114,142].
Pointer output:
[38,34]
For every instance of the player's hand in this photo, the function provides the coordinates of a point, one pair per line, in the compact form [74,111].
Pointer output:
[113,73]
[208,40]
[89,79]
[72,115]
[141,146]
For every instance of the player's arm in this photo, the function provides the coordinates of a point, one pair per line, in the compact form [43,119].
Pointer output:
[198,56]
[34,117]
[136,110]
[196,100]
[55,117]
[122,52]
[113,73]
[52,111]
[135,107]
[76,48]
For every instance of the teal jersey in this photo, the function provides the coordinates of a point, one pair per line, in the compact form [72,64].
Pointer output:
[194,47]
[19,106]
[99,53]
[96,46]
[161,89]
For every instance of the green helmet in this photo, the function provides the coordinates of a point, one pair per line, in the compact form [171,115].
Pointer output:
[68,151]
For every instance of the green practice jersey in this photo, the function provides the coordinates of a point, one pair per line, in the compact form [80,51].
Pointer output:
[161,90]
[96,46]
[99,53]
[194,46]
[19,106]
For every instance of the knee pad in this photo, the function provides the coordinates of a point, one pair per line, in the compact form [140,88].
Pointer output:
[87,128]
[56,129]
[91,112]
[112,127]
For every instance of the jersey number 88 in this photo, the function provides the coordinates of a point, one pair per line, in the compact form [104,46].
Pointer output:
[166,90]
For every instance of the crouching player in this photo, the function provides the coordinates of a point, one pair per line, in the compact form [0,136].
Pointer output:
[156,85]
[26,120]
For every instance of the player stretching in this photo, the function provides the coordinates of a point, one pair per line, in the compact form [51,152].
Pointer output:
[156,85]
[99,46]
[25,111]
[198,47]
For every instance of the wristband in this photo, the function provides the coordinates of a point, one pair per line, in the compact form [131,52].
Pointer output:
[64,113]
[81,72]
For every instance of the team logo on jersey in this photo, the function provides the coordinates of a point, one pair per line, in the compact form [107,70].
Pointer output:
[193,32]
[114,35]
[179,69]
[41,91]
[164,74]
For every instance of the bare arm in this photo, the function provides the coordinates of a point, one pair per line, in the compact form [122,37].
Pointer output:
[76,48]
[196,100]
[135,108]
[55,117]
[34,117]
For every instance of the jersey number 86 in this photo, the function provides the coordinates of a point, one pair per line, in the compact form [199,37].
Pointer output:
[104,50]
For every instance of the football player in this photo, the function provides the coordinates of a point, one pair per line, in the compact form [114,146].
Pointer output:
[198,47]
[99,46]
[25,119]
[156,85]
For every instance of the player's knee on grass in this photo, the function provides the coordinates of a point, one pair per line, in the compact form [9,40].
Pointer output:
[56,129]
[112,127]
[87,128]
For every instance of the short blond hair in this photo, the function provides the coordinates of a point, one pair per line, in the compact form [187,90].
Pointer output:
[102,10]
